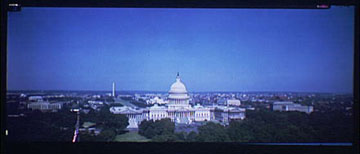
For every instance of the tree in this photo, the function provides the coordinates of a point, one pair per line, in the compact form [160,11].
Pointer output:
[240,131]
[166,137]
[180,137]
[332,126]
[105,119]
[146,128]
[107,135]
[164,127]
[191,137]
[92,116]
[88,137]
[38,126]
[212,132]
[118,122]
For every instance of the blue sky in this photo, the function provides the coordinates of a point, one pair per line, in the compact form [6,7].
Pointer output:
[213,49]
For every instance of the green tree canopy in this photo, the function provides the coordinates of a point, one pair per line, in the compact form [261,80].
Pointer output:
[191,137]
[212,132]
[150,129]
[105,119]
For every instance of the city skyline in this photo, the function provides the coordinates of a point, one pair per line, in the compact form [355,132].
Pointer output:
[213,49]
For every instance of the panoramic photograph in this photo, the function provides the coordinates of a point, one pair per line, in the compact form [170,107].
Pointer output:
[180,75]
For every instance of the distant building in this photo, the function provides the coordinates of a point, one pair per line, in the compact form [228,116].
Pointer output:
[129,96]
[135,116]
[221,101]
[35,98]
[156,100]
[233,102]
[229,102]
[96,102]
[96,96]
[226,114]
[44,106]
[22,95]
[291,106]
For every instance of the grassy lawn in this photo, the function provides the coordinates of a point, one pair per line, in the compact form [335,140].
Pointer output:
[131,137]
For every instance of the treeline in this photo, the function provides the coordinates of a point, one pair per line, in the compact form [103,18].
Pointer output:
[160,131]
[109,124]
[164,131]
[60,126]
[42,127]
[260,126]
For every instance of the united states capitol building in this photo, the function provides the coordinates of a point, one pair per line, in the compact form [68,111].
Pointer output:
[179,110]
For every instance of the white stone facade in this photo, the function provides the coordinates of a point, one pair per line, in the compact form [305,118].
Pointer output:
[44,106]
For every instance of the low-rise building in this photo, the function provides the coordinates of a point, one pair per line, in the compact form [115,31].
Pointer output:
[233,102]
[225,114]
[45,106]
[291,106]
[96,102]
[35,98]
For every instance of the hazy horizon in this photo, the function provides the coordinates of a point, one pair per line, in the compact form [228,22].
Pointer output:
[154,91]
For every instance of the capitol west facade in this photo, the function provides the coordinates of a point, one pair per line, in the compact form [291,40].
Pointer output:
[178,109]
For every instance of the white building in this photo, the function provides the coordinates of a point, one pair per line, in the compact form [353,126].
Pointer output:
[95,102]
[44,106]
[233,102]
[156,100]
[35,98]
[226,114]
[178,109]
[291,106]
[135,116]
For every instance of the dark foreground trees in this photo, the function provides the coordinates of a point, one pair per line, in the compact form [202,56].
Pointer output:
[160,130]
[164,131]
[110,125]
[60,126]
[212,132]
[261,126]
[38,126]
[270,126]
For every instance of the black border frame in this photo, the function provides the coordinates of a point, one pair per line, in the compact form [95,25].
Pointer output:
[183,3]
[174,147]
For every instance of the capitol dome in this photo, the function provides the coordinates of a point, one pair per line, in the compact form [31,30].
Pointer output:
[178,87]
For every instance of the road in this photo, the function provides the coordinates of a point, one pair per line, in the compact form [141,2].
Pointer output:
[76,137]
